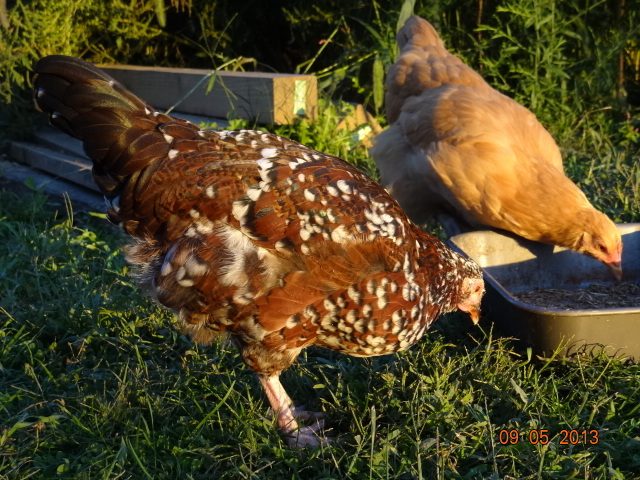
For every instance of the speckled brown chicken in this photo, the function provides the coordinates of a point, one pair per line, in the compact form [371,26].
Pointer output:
[455,144]
[255,236]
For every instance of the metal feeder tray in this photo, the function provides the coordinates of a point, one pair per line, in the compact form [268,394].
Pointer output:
[513,265]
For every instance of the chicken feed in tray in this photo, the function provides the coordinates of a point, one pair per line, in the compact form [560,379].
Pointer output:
[550,297]
[619,295]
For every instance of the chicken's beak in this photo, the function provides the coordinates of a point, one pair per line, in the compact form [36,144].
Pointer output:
[474,313]
[616,269]
[474,290]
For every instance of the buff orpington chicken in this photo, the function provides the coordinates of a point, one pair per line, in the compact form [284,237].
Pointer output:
[456,145]
[256,237]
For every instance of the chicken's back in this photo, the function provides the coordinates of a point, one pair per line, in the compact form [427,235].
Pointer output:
[249,233]
[442,153]
[424,63]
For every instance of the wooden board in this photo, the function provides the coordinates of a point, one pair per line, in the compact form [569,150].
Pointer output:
[57,140]
[71,168]
[270,98]
[54,138]
[220,123]
[63,156]
[81,198]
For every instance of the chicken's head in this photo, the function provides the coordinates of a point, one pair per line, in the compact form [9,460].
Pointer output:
[601,240]
[471,289]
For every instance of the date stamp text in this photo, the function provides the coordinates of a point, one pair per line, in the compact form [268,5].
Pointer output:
[543,436]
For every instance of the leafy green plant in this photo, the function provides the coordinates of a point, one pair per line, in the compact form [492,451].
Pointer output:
[102,32]
[324,135]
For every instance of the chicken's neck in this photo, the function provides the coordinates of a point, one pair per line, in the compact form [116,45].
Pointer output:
[437,270]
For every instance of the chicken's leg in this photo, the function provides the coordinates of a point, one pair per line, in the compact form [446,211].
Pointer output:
[288,416]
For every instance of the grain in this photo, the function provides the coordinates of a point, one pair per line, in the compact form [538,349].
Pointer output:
[596,296]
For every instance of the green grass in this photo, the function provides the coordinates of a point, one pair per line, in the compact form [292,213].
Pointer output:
[95,381]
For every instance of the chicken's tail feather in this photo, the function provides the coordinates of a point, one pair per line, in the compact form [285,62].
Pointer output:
[121,134]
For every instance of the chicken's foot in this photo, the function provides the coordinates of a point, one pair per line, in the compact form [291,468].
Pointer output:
[288,416]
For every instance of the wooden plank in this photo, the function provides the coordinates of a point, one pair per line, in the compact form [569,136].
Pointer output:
[271,98]
[57,140]
[221,123]
[73,169]
[55,187]
[54,138]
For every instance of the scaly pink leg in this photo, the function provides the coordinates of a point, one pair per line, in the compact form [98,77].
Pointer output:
[288,416]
